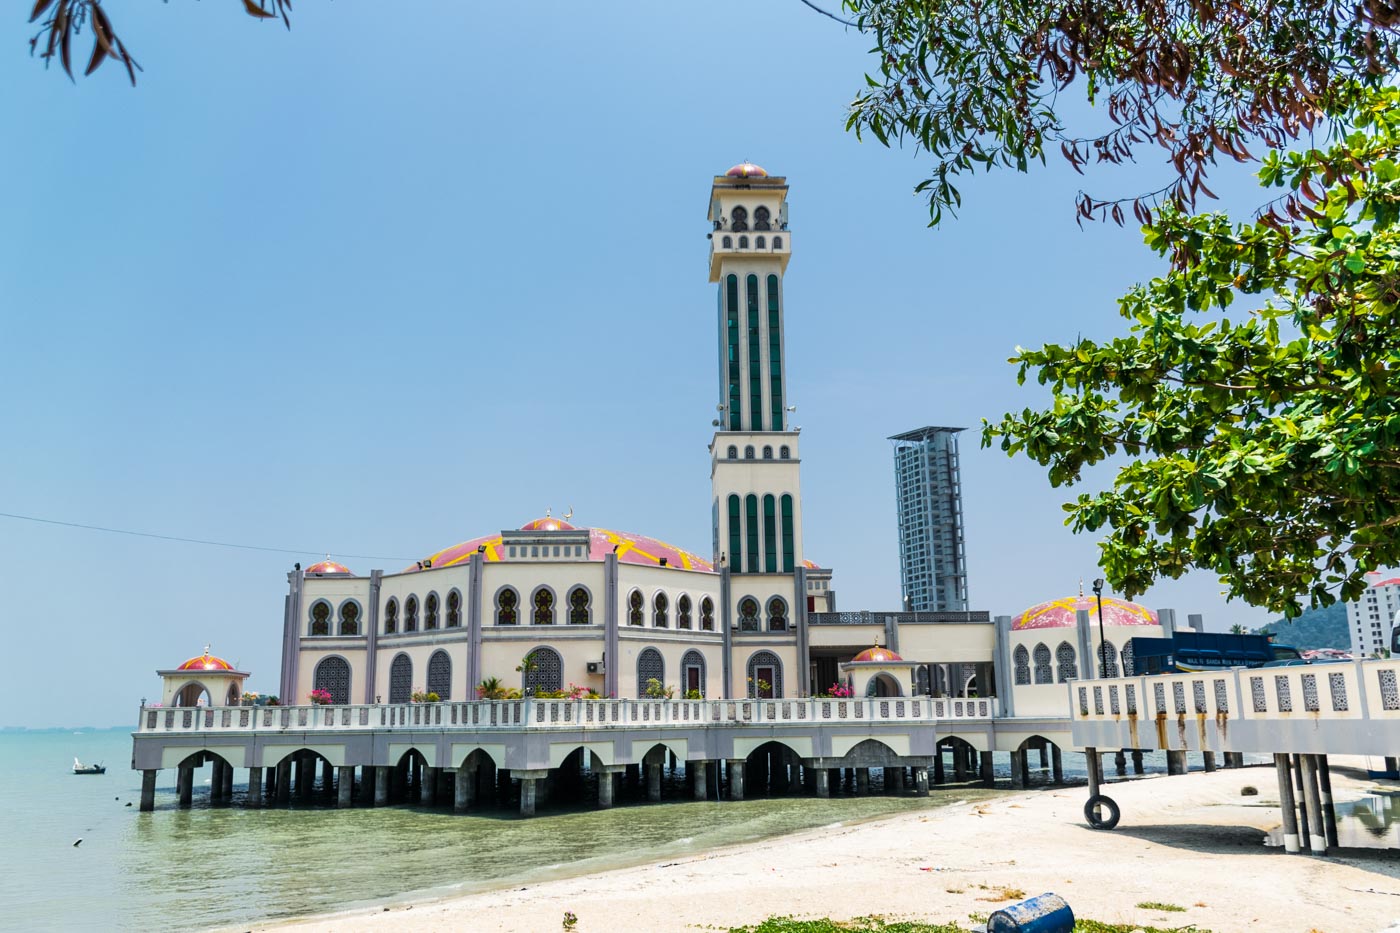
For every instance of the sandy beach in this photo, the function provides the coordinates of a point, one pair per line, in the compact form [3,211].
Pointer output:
[1191,841]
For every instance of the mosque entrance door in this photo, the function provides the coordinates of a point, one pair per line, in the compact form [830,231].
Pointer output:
[692,680]
[764,676]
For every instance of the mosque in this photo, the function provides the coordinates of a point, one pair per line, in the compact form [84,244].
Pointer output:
[553,607]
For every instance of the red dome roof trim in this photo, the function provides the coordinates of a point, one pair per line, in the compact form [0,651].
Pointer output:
[747,170]
[1061,613]
[205,662]
[328,567]
[876,654]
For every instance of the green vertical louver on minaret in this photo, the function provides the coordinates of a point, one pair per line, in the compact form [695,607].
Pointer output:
[751,523]
[775,353]
[735,541]
[770,535]
[755,358]
[732,324]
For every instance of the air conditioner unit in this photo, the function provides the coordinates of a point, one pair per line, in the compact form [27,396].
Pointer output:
[595,667]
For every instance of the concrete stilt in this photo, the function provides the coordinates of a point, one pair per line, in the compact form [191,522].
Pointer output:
[184,785]
[921,781]
[270,784]
[698,785]
[303,781]
[897,779]
[255,787]
[1137,761]
[605,789]
[381,785]
[959,765]
[1329,810]
[327,777]
[428,787]
[1093,764]
[464,789]
[1209,759]
[345,786]
[527,796]
[228,783]
[1286,805]
[1120,762]
[284,780]
[654,782]
[1018,769]
[822,781]
[863,781]
[1057,767]
[216,780]
[736,778]
[987,769]
[1318,841]
[1234,759]
[1176,762]
[1299,795]
[148,789]
[1045,764]
[938,776]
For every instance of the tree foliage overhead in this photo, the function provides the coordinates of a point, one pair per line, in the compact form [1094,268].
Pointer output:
[1265,441]
[61,22]
[978,82]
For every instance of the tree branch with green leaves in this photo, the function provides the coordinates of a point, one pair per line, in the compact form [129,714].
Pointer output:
[1264,442]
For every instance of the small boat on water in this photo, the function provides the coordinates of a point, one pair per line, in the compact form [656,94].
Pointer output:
[80,768]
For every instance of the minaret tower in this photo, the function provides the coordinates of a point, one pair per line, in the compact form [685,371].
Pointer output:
[754,467]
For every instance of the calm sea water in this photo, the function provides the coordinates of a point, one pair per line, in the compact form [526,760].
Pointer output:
[223,866]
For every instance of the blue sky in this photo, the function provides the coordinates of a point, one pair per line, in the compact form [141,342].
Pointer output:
[393,279]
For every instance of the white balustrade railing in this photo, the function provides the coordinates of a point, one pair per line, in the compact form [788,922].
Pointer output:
[518,715]
[1347,690]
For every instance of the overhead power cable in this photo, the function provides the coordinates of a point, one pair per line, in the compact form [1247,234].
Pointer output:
[147,534]
[843,22]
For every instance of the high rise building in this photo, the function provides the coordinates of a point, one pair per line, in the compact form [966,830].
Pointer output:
[1371,618]
[928,487]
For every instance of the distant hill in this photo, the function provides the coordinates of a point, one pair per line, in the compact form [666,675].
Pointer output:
[1315,628]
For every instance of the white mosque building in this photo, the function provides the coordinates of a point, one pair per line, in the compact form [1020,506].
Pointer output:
[551,607]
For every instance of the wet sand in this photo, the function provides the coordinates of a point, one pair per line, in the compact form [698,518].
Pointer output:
[1192,841]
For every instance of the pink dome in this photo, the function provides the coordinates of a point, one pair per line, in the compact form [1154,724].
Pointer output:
[328,566]
[205,662]
[747,170]
[1060,613]
[630,549]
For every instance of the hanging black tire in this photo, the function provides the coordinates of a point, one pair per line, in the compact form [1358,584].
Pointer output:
[1101,812]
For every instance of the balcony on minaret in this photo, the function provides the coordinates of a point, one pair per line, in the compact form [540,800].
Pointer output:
[728,244]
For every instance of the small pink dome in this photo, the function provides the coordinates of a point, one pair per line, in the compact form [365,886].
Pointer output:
[205,662]
[877,654]
[547,524]
[747,170]
[327,567]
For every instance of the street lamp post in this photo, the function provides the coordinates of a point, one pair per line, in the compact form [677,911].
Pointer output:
[1103,655]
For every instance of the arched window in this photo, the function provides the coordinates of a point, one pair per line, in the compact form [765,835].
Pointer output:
[759,242]
[507,606]
[767,452]
[545,673]
[634,607]
[733,452]
[544,606]
[748,452]
[777,242]
[349,617]
[578,606]
[683,612]
[1021,661]
[660,611]
[692,673]
[410,614]
[777,615]
[391,616]
[650,666]
[320,617]
[333,676]
[1065,662]
[1128,659]
[743,242]
[784,452]
[748,614]
[401,679]
[765,674]
[430,612]
[1043,672]
[739,220]
[1108,657]
[728,242]
[761,218]
[454,609]
[440,675]
[707,614]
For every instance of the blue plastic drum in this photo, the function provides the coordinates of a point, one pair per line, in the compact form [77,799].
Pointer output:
[1047,913]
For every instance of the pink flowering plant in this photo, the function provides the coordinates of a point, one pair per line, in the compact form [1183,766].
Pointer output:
[319,697]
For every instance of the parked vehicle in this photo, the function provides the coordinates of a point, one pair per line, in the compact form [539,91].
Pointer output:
[1197,651]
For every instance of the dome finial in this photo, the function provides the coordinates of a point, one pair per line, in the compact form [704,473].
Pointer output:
[1081,587]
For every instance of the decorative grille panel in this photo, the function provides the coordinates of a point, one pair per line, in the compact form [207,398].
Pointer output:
[1065,662]
[401,679]
[1044,674]
[440,675]
[1198,695]
[333,676]
[1179,698]
[548,674]
[1390,693]
[1021,659]
[1222,697]
[1337,685]
[1159,694]
[1285,693]
[650,666]
[1311,702]
[1256,694]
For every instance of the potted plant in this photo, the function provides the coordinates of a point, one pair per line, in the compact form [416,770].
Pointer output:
[491,688]
[319,697]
